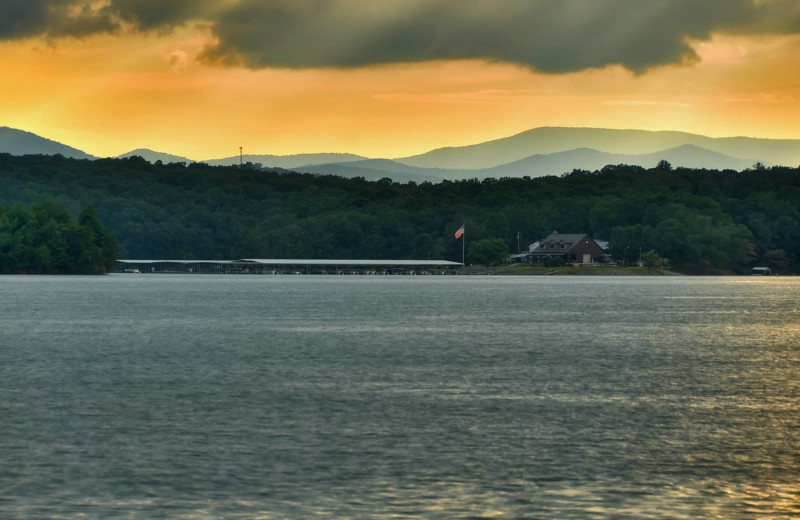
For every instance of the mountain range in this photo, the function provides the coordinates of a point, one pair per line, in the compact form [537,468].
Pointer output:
[536,152]
[19,142]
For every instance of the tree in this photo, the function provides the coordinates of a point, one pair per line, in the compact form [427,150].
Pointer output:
[651,259]
[488,251]
[100,252]
[702,220]
[46,239]
[776,259]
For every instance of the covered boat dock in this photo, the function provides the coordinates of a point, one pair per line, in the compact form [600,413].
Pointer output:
[290,266]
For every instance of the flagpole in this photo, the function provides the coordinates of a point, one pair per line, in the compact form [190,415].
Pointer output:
[462,234]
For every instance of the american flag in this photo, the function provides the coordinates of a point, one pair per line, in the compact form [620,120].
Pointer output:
[460,231]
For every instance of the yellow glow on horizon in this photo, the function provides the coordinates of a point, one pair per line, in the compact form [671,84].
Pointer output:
[110,94]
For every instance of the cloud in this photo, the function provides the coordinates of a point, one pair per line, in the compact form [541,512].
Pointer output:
[178,60]
[645,103]
[481,97]
[52,18]
[79,18]
[762,98]
[149,15]
[549,36]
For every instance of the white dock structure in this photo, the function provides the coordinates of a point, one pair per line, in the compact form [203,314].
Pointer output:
[290,266]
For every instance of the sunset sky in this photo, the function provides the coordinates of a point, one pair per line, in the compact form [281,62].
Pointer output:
[390,78]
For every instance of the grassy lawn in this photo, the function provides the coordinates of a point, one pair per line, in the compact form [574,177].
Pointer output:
[528,269]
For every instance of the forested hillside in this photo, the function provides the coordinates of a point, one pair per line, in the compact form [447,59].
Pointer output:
[46,239]
[701,220]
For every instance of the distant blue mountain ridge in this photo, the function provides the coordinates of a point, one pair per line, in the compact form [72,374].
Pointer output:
[20,142]
[535,153]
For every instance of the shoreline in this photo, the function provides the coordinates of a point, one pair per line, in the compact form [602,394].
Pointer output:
[531,270]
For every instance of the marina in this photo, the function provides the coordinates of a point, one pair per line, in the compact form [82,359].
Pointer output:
[291,266]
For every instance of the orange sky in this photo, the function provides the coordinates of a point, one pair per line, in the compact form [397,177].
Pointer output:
[110,93]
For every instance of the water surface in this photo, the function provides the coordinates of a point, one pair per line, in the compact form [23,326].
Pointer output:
[192,396]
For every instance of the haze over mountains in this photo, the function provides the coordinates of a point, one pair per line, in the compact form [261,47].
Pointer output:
[549,140]
[287,161]
[536,152]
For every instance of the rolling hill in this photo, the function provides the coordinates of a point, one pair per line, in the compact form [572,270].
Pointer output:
[286,161]
[376,169]
[687,155]
[153,156]
[534,153]
[550,140]
[20,142]
[537,165]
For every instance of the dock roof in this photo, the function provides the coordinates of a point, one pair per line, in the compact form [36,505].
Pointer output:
[305,261]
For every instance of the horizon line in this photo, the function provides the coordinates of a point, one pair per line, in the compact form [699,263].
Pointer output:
[544,127]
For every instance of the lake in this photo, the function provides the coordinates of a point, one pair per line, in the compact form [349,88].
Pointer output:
[239,397]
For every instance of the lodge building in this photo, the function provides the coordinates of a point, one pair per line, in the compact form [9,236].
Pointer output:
[571,248]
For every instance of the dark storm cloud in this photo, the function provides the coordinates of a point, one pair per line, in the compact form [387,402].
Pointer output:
[160,14]
[548,35]
[55,18]
[20,18]
[60,18]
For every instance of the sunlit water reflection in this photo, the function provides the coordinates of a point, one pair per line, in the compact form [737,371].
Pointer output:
[397,397]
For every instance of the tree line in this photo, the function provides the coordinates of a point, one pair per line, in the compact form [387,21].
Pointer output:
[702,221]
[45,239]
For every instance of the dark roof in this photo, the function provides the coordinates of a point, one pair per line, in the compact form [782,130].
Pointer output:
[565,237]
[570,240]
[305,261]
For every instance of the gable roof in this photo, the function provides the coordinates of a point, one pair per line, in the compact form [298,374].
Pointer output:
[564,237]
[569,241]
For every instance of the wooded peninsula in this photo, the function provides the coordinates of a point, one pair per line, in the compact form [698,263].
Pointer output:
[45,239]
[701,221]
